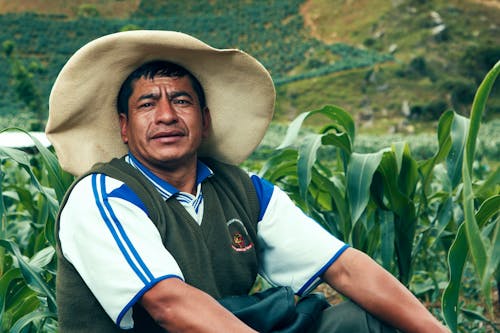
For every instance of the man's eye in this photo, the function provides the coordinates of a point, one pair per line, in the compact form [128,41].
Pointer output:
[146,105]
[181,101]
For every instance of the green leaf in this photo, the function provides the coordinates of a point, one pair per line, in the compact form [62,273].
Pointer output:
[42,258]
[31,275]
[478,106]
[401,204]
[59,180]
[488,209]
[407,169]
[2,212]
[490,186]
[340,140]
[30,318]
[454,159]
[474,239]
[456,262]
[468,235]
[6,280]
[444,141]
[478,316]
[282,164]
[342,122]
[293,130]
[444,216]
[23,160]
[387,241]
[307,158]
[493,255]
[359,176]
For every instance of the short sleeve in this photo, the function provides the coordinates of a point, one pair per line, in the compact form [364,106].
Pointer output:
[294,249]
[107,236]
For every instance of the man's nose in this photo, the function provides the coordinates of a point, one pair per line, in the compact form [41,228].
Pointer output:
[165,111]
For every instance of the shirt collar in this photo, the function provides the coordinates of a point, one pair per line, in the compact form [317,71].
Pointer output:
[165,188]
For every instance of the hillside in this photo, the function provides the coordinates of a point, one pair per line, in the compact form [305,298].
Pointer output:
[406,60]
[441,50]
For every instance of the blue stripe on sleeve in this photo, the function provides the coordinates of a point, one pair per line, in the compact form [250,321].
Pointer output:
[141,293]
[124,192]
[123,234]
[315,280]
[113,224]
[264,191]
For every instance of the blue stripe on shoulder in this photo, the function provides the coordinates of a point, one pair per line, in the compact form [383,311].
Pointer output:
[264,191]
[124,192]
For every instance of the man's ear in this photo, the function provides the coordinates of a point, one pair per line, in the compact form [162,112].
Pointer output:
[123,127]
[206,121]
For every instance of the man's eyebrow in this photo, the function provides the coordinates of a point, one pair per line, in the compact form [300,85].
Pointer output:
[180,93]
[172,95]
[148,96]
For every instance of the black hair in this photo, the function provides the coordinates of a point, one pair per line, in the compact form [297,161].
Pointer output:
[156,68]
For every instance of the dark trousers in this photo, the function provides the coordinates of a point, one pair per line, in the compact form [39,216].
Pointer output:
[347,317]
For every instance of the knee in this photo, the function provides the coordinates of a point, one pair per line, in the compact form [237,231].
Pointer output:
[349,317]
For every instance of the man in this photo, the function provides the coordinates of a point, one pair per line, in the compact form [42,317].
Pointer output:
[163,235]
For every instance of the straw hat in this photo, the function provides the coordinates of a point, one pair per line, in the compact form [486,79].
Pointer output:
[83,122]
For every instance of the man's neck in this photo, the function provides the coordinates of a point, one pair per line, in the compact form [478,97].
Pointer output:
[182,177]
[180,174]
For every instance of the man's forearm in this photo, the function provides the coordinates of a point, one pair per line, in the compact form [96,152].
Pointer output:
[178,307]
[360,278]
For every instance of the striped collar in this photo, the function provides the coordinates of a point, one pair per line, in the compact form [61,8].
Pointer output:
[166,189]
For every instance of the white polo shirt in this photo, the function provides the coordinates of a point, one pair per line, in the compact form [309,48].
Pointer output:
[106,234]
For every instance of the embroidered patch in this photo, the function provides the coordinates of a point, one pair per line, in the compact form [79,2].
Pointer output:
[240,240]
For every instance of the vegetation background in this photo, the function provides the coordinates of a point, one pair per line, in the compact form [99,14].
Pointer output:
[398,70]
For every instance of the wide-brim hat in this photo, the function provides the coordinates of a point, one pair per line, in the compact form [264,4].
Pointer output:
[83,123]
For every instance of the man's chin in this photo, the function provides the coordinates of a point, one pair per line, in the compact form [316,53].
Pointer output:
[174,160]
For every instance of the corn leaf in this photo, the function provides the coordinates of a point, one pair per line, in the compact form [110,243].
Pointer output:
[307,157]
[23,160]
[444,146]
[359,176]
[31,274]
[280,165]
[27,319]
[490,186]
[388,236]
[474,239]
[6,280]
[59,180]
[455,156]
[457,256]
[342,122]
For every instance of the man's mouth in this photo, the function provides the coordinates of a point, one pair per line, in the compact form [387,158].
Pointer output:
[174,133]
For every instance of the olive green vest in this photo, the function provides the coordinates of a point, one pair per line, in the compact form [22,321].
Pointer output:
[219,256]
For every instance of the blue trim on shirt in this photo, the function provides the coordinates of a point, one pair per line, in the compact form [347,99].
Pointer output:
[202,172]
[141,292]
[310,283]
[124,192]
[264,191]
[104,208]
[165,188]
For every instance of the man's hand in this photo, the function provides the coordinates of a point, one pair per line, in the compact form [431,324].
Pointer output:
[179,307]
[357,276]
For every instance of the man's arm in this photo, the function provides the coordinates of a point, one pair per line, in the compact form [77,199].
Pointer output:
[357,276]
[179,307]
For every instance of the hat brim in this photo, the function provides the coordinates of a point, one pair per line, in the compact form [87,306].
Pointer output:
[83,122]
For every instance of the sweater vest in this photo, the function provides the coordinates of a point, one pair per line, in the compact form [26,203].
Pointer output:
[218,257]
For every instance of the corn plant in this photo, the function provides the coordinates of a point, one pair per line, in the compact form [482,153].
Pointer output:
[407,213]
[31,188]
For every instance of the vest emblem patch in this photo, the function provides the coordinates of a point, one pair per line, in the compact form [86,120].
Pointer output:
[240,240]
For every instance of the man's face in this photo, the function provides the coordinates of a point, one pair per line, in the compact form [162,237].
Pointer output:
[165,124]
